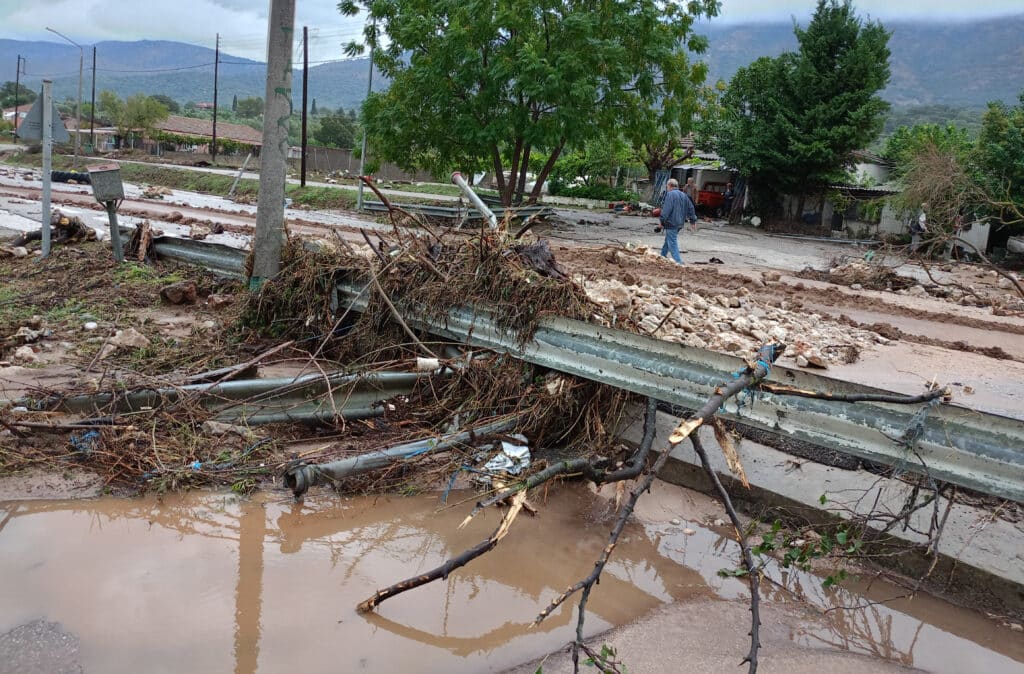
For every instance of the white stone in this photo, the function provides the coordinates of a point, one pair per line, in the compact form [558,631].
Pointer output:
[90,326]
[25,354]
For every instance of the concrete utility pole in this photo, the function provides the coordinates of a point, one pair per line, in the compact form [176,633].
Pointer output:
[216,68]
[362,154]
[78,108]
[274,153]
[92,105]
[305,90]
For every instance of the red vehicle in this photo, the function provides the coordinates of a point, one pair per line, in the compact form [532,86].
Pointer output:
[711,198]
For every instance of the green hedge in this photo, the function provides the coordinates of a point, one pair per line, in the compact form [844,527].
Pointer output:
[602,192]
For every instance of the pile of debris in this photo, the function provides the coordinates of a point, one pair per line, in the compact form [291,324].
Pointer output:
[733,323]
[860,275]
[156,192]
[64,229]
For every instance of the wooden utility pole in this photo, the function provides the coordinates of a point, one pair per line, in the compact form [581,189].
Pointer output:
[92,106]
[277,110]
[216,68]
[17,85]
[362,154]
[305,90]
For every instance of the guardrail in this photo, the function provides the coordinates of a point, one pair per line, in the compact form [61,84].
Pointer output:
[970,448]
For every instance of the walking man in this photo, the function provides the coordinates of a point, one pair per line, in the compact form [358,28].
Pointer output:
[675,211]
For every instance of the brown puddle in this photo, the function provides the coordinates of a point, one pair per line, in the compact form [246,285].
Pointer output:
[208,583]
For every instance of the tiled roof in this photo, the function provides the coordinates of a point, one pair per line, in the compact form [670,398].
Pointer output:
[190,126]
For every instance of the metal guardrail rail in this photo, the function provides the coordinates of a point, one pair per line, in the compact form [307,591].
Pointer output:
[452,212]
[973,449]
[970,448]
[260,401]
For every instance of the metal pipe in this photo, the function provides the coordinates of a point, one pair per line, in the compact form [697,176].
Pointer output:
[299,478]
[47,104]
[475,200]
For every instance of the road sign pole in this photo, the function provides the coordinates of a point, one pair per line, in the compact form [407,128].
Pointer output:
[47,162]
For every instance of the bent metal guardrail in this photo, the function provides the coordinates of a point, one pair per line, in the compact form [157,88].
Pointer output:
[970,448]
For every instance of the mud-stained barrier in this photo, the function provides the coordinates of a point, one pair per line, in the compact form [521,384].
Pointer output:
[213,583]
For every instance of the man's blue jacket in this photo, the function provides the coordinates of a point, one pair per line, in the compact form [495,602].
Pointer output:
[677,209]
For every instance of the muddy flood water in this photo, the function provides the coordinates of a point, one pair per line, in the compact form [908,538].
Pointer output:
[212,583]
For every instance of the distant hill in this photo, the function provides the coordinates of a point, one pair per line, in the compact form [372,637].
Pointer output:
[958,64]
[933,64]
[182,71]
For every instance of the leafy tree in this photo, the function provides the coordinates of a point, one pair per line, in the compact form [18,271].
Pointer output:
[312,109]
[25,95]
[168,102]
[906,142]
[250,107]
[790,122]
[598,159]
[136,114]
[234,103]
[1000,156]
[475,86]
[335,131]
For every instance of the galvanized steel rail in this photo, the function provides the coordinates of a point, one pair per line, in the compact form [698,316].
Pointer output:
[973,449]
[970,448]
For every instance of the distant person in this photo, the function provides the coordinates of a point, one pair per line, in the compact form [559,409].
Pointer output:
[727,200]
[693,193]
[917,228]
[676,210]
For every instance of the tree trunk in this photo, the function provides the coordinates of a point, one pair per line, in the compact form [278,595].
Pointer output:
[513,174]
[499,176]
[523,169]
[548,165]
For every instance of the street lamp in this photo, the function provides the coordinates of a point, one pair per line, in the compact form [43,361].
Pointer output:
[78,108]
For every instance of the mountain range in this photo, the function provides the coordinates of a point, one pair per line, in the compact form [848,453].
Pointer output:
[933,63]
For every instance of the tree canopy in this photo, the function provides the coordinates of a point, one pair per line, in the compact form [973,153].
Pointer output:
[168,102]
[137,113]
[790,122]
[249,108]
[335,131]
[490,84]
[25,95]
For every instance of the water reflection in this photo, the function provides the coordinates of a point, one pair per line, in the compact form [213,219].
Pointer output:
[272,584]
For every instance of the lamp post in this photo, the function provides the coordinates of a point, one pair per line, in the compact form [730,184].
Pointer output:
[78,108]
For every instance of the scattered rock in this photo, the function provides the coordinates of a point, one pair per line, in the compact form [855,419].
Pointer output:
[719,523]
[689,532]
[771,276]
[90,326]
[216,301]
[183,292]
[675,522]
[801,361]
[25,354]
[129,338]
[174,216]
[856,286]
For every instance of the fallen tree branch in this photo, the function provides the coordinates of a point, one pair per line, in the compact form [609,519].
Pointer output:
[398,317]
[753,373]
[782,389]
[753,575]
[392,209]
[450,565]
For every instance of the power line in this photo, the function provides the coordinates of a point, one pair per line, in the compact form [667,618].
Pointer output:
[156,70]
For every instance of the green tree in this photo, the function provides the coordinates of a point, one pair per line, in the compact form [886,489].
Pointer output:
[137,114]
[474,86]
[168,102]
[250,108]
[234,103]
[312,109]
[25,95]
[907,141]
[999,155]
[790,123]
[335,131]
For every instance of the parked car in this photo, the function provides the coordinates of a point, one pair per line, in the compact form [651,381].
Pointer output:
[711,198]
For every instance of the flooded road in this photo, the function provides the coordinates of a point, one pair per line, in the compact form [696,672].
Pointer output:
[212,583]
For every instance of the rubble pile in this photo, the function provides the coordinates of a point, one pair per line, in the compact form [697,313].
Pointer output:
[156,192]
[730,323]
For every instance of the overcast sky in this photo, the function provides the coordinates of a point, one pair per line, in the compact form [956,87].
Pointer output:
[243,23]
